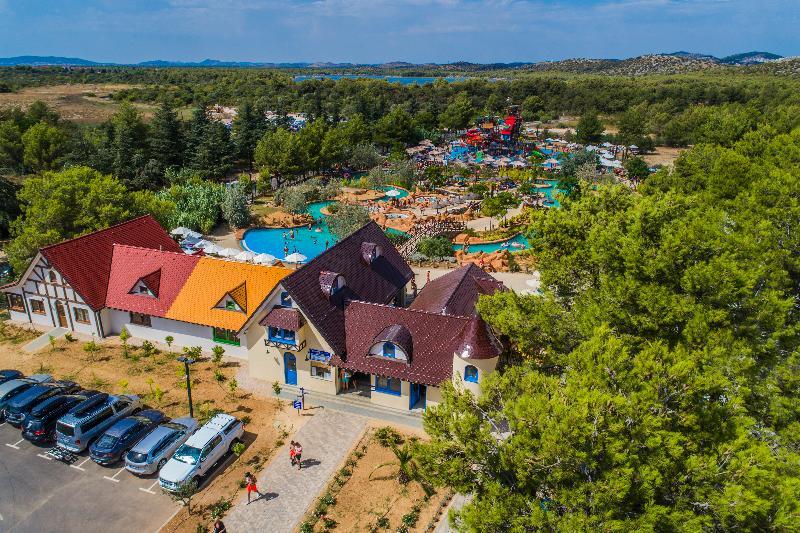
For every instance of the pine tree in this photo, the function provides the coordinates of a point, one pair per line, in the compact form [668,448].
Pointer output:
[166,138]
[248,127]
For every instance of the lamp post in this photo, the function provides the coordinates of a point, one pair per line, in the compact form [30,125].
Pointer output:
[186,362]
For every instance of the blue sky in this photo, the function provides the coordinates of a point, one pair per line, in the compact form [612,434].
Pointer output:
[393,30]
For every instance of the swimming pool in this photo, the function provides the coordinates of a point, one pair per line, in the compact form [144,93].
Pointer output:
[493,247]
[276,241]
[551,191]
[387,188]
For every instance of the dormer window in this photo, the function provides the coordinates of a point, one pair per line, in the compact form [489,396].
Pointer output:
[389,350]
[53,277]
[370,252]
[394,343]
[331,283]
[235,300]
[148,285]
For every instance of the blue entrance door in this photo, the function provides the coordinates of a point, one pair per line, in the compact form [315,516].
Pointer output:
[417,395]
[290,368]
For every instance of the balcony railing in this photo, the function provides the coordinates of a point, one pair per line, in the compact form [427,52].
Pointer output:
[293,346]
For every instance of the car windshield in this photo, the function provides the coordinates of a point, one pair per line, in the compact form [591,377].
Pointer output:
[106,441]
[137,457]
[174,425]
[187,454]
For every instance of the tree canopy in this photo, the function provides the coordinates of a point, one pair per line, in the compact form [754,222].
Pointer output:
[346,219]
[656,383]
[62,205]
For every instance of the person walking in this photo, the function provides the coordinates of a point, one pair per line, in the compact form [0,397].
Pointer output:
[298,455]
[291,452]
[250,481]
[219,527]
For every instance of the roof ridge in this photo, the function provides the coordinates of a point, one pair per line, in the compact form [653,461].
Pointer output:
[148,215]
[421,311]
[351,236]
[179,254]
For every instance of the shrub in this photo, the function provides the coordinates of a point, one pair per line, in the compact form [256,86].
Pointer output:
[276,388]
[69,337]
[216,354]
[219,376]
[383,522]
[169,339]
[435,247]
[329,522]
[328,499]
[307,527]
[238,449]
[219,508]
[387,437]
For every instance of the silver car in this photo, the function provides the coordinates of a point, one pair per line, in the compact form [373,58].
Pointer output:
[155,448]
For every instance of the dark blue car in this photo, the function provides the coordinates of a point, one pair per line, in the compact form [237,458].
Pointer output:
[40,424]
[8,375]
[112,445]
[19,407]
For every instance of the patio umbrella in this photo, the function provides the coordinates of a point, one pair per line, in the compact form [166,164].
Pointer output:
[189,241]
[264,259]
[295,258]
[192,235]
[245,255]
[392,193]
[212,249]
[228,252]
[180,231]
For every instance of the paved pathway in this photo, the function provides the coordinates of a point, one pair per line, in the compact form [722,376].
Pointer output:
[326,439]
[43,340]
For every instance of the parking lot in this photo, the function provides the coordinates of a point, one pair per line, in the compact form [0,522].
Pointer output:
[38,493]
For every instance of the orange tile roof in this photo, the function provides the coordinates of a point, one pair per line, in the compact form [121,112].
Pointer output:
[211,279]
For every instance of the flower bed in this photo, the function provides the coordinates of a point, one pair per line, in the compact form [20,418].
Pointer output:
[366,494]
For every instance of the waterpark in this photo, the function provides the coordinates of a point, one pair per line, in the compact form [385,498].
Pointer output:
[465,199]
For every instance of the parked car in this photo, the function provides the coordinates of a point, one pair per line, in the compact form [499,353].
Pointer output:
[89,419]
[8,375]
[152,452]
[195,458]
[11,388]
[40,425]
[123,435]
[20,405]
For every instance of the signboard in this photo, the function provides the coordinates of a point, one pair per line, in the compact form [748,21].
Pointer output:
[319,355]
[297,404]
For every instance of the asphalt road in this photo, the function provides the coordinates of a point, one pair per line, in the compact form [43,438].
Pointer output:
[38,494]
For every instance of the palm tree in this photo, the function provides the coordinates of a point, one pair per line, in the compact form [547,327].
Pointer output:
[407,469]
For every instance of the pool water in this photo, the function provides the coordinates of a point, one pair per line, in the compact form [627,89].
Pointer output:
[275,241]
[403,193]
[493,247]
[551,191]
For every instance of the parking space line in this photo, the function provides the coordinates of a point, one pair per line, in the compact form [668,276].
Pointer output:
[44,456]
[149,489]
[15,445]
[114,477]
[80,465]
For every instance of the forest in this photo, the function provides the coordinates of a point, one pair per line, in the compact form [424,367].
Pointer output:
[654,383]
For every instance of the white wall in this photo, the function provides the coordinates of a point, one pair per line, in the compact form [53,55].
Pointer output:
[184,333]
[484,366]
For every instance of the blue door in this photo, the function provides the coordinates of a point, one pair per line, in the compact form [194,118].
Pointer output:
[290,368]
[417,393]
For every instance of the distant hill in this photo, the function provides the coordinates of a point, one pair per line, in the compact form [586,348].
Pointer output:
[750,58]
[37,61]
[671,63]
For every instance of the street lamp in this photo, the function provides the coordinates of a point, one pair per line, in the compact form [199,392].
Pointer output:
[186,362]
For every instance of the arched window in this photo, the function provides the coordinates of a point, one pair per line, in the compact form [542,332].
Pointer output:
[388,350]
[470,374]
[53,278]
[286,300]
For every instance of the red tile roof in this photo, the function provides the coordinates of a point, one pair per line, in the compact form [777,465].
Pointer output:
[281,317]
[85,262]
[378,282]
[434,340]
[477,342]
[456,292]
[130,264]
